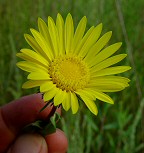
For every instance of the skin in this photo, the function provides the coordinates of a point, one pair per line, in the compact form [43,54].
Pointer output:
[19,113]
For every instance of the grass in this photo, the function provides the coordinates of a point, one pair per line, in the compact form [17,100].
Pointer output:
[117,128]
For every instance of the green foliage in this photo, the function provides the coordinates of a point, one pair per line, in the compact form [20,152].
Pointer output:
[117,128]
[43,127]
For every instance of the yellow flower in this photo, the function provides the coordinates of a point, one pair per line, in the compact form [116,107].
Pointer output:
[69,64]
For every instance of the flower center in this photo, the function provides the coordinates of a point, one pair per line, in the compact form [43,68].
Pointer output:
[69,73]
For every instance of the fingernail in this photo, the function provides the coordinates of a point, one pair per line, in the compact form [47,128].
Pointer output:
[30,143]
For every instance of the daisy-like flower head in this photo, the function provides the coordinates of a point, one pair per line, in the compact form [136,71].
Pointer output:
[69,64]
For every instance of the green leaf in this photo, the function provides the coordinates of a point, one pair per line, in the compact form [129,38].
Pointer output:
[45,105]
[43,127]
[55,119]
[48,129]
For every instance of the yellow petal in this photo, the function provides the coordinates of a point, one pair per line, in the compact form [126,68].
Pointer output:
[39,75]
[103,97]
[67,102]
[60,29]
[90,104]
[60,97]
[108,62]
[108,86]
[32,56]
[105,53]
[84,92]
[83,40]
[53,35]
[103,79]
[79,32]
[44,31]
[32,84]
[47,52]
[46,86]
[69,32]
[32,42]
[29,66]
[74,103]
[91,40]
[50,94]
[111,70]
[98,46]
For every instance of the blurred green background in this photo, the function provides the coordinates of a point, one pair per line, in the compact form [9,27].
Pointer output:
[118,128]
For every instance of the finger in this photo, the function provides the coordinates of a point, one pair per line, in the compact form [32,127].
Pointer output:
[23,111]
[57,142]
[29,143]
[17,114]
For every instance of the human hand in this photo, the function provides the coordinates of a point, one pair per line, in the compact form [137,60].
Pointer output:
[19,113]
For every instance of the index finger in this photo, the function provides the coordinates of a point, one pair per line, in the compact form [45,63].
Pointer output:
[17,114]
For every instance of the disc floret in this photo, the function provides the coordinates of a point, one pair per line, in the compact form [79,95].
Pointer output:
[69,73]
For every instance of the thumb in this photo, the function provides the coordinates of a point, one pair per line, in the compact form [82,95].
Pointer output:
[29,143]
